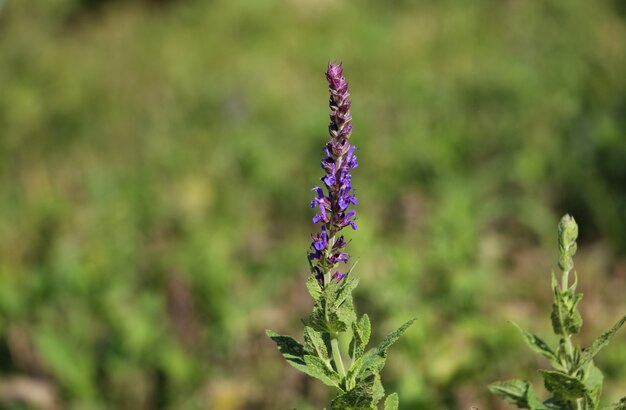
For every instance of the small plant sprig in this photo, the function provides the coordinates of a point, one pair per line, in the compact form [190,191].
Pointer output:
[357,380]
[574,381]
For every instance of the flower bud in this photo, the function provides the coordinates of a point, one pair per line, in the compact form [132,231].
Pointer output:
[568,233]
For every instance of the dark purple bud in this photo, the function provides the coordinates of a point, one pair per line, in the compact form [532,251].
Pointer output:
[319,275]
[338,257]
[345,131]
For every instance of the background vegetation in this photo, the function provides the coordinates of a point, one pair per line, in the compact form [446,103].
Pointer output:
[155,165]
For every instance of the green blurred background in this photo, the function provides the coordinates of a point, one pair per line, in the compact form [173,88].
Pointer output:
[155,165]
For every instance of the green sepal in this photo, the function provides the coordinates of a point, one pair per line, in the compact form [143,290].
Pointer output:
[517,392]
[537,345]
[319,369]
[392,402]
[374,360]
[589,353]
[364,396]
[562,385]
[361,331]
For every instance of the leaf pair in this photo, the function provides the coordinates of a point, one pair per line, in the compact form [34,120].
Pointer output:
[565,316]
[363,378]
[366,396]
[333,313]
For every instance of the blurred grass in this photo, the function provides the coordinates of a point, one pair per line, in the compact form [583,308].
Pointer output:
[155,165]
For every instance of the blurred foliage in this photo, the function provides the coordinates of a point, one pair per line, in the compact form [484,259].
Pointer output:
[155,165]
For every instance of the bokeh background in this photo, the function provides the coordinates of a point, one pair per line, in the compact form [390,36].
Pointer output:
[156,159]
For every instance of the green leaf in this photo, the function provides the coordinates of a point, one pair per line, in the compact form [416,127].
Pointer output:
[392,337]
[365,395]
[341,293]
[360,337]
[558,311]
[374,360]
[574,320]
[562,385]
[295,355]
[515,392]
[598,344]
[317,319]
[313,287]
[353,373]
[290,349]
[316,343]
[338,305]
[621,405]
[341,318]
[392,402]
[566,320]
[317,368]
[593,384]
[365,329]
[537,344]
[554,404]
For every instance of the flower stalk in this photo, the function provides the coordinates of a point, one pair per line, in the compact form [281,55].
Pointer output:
[358,386]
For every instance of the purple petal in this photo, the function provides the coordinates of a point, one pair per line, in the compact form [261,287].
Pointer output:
[338,276]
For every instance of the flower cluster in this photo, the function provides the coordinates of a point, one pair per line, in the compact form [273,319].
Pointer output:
[333,201]
[333,314]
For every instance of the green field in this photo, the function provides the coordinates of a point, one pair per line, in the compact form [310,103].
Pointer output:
[156,161]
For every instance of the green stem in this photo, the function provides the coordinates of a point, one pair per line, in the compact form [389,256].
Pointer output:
[334,345]
[566,336]
[579,404]
[570,348]
[565,281]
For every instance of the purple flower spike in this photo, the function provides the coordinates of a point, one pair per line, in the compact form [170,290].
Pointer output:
[335,197]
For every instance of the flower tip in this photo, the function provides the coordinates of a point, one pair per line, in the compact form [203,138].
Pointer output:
[334,70]
[567,230]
